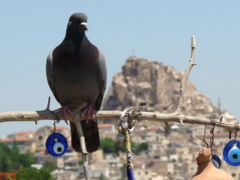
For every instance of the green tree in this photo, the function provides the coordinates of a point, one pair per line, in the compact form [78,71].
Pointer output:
[110,146]
[50,166]
[11,159]
[137,148]
[33,173]
[102,177]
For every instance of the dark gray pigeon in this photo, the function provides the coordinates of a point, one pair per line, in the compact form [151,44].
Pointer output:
[76,74]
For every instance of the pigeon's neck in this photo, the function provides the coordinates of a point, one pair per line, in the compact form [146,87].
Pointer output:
[75,38]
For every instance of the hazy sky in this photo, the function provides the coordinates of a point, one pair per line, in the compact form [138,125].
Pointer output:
[153,29]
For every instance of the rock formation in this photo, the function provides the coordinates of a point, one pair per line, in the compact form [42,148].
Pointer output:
[155,87]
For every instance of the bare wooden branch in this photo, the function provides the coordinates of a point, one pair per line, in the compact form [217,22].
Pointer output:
[186,75]
[115,115]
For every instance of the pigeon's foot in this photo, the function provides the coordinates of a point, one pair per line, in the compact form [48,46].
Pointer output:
[65,110]
[89,112]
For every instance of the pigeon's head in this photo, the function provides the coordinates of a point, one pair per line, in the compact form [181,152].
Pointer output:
[77,23]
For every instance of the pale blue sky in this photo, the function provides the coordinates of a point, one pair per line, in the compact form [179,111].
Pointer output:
[154,29]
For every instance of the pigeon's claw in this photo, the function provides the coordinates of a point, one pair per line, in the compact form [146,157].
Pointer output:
[89,112]
[65,110]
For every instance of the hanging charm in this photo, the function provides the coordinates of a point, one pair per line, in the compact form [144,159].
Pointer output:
[231,153]
[216,161]
[126,126]
[56,143]
[130,157]
[206,169]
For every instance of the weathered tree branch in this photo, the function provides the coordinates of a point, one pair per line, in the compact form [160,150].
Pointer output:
[186,75]
[115,115]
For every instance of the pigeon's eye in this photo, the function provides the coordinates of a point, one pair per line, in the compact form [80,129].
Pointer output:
[56,144]
[231,153]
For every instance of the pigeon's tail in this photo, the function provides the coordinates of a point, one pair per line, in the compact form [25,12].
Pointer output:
[91,135]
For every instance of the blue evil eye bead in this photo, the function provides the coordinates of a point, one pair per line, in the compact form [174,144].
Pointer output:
[130,174]
[56,144]
[231,153]
[234,155]
[216,161]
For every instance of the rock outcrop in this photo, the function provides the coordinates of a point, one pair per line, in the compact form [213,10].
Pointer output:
[155,87]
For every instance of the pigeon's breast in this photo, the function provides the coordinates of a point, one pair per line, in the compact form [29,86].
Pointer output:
[75,88]
[76,78]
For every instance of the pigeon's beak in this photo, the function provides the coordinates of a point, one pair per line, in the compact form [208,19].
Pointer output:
[84,24]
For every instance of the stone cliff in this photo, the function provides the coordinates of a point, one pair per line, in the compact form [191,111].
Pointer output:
[155,87]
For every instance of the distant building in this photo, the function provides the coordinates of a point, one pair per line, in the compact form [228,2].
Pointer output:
[99,169]
[23,140]
[107,130]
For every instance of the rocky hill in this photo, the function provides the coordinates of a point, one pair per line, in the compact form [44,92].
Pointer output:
[155,87]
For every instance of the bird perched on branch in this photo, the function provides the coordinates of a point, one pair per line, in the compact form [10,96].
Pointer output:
[76,74]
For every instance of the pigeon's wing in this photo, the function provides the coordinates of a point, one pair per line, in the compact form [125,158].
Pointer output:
[102,79]
[50,73]
[90,128]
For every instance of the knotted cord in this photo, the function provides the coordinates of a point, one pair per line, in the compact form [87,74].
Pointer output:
[127,123]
